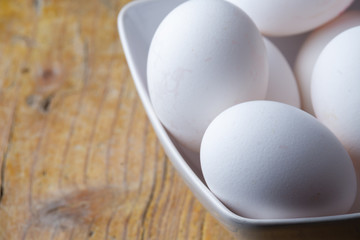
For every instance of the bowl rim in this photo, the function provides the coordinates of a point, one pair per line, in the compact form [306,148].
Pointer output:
[188,175]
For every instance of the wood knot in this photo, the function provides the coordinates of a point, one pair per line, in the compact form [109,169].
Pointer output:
[49,79]
[77,208]
[25,70]
[47,75]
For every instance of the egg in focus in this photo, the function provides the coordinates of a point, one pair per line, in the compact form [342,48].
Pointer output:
[269,160]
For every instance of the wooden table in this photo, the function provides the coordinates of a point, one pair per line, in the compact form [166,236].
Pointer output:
[78,157]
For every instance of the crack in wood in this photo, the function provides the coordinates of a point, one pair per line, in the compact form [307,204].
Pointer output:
[2,178]
[3,164]
[1,192]
[38,4]
[46,103]
[39,102]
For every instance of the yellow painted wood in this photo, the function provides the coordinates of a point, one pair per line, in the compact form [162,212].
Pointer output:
[78,156]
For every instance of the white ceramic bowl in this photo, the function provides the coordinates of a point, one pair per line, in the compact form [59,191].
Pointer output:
[137,23]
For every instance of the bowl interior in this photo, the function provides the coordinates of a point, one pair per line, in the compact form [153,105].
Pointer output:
[137,23]
[141,21]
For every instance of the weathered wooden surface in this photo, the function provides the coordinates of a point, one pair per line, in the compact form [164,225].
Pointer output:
[78,157]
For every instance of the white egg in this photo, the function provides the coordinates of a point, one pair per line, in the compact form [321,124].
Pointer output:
[282,85]
[335,91]
[270,160]
[312,48]
[206,56]
[288,17]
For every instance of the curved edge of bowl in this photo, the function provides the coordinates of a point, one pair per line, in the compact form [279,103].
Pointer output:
[241,226]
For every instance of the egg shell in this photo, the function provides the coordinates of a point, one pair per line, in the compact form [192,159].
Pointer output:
[282,85]
[312,48]
[335,91]
[206,56]
[269,160]
[284,17]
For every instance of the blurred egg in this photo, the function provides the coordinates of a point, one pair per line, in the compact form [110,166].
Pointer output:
[282,86]
[312,48]
[335,91]
[284,17]
[269,160]
[206,56]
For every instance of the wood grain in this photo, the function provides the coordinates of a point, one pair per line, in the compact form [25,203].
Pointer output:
[78,157]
